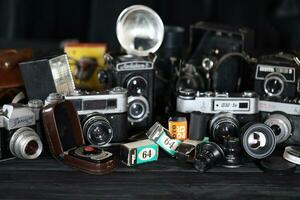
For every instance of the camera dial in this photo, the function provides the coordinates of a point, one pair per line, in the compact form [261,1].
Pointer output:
[187,93]
[97,129]
[25,143]
[137,85]
[258,140]
[281,126]
[138,108]
[207,63]
[224,125]
[274,84]
[118,90]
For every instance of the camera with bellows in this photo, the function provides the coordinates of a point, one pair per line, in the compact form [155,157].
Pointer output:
[20,130]
[220,114]
[103,115]
[278,75]
[140,32]
[217,52]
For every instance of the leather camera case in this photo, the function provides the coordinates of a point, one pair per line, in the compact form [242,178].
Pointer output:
[64,135]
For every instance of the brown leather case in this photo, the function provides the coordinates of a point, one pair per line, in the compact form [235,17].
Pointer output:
[59,148]
[10,75]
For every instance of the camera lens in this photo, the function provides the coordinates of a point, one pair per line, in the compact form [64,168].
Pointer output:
[137,85]
[258,140]
[25,143]
[97,129]
[274,85]
[224,125]
[138,108]
[281,126]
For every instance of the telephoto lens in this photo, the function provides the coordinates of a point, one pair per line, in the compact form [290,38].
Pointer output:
[258,140]
[232,151]
[209,155]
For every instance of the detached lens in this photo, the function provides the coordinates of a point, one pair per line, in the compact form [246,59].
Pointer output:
[97,130]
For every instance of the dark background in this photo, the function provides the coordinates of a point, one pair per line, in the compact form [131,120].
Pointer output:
[276,22]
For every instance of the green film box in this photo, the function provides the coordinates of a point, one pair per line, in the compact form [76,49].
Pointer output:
[139,152]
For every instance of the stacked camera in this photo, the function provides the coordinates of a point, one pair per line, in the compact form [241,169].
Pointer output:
[225,106]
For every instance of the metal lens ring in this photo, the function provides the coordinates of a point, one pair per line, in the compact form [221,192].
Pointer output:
[258,140]
[97,130]
[136,85]
[25,143]
[138,108]
[223,125]
[140,30]
[207,64]
[274,84]
[281,126]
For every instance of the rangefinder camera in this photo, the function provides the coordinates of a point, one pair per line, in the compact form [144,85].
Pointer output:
[19,125]
[220,114]
[283,116]
[277,75]
[103,115]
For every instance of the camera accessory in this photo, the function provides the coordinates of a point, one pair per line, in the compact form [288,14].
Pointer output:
[236,103]
[44,76]
[209,155]
[138,109]
[277,75]
[186,150]
[53,98]
[161,136]
[140,30]
[178,128]
[277,166]
[189,78]
[258,140]
[25,144]
[10,75]
[232,151]
[139,152]
[198,122]
[292,154]
[282,115]
[86,60]
[103,115]
[66,141]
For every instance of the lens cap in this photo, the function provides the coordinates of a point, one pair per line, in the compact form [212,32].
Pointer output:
[277,165]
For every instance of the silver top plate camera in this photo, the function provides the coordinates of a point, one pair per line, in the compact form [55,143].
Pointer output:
[212,102]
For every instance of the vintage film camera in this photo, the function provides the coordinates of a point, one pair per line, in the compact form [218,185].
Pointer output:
[66,140]
[277,75]
[103,115]
[20,129]
[220,114]
[282,117]
[44,76]
[216,53]
[140,32]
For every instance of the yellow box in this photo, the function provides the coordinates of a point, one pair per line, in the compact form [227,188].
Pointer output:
[91,53]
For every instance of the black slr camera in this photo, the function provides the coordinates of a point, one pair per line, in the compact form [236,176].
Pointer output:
[216,55]
[103,115]
[20,129]
[135,69]
[277,75]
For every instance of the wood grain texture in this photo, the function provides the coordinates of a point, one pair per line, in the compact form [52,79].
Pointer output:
[47,178]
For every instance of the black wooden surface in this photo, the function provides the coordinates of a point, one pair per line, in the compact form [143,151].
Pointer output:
[46,178]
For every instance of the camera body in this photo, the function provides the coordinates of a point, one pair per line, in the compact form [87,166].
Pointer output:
[277,75]
[209,45]
[220,114]
[103,115]
[136,74]
[19,130]
[283,117]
